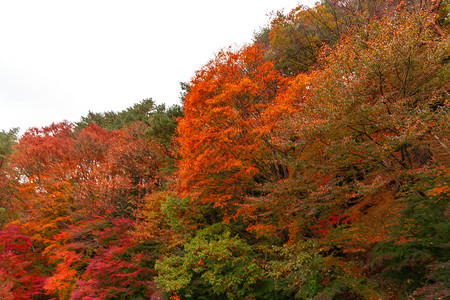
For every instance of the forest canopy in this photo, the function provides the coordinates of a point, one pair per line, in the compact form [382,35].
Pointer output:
[312,163]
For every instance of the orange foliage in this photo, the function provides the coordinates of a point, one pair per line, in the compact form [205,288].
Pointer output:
[220,134]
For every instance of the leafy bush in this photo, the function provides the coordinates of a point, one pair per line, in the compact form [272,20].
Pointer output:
[213,265]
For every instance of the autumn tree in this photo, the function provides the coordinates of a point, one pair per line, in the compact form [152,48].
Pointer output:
[67,178]
[321,174]
[374,117]
[295,39]
[219,140]
[20,277]
[98,258]
[43,160]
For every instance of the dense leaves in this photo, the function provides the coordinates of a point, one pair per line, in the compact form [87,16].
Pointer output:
[311,164]
[219,136]
[214,264]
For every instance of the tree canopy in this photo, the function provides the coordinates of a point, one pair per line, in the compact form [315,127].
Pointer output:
[312,163]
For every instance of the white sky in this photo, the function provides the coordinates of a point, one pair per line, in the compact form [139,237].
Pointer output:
[60,58]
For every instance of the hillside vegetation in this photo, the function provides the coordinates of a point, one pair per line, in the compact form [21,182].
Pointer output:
[312,163]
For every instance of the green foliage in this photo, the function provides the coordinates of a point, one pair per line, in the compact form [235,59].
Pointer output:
[444,14]
[185,89]
[420,243]
[7,184]
[296,38]
[214,264]
[262,36]
[7,141]
[161,121]
[348,287]
[116,120]
[163,124]
[438,285]
[304,271]
[174,209]
[295,270]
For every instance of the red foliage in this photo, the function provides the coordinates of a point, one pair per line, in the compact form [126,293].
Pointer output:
[19,276]
[97,261]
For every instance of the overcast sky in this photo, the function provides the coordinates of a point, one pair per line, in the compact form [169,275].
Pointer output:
[60,59]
